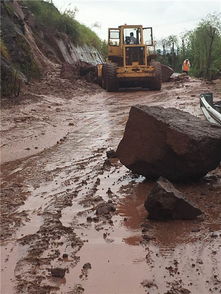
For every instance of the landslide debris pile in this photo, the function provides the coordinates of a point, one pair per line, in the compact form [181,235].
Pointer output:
[35,37]
[170,143]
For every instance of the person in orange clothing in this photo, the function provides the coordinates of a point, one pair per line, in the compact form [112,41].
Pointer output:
[186,66]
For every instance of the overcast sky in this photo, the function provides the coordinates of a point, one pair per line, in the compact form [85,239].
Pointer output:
[165,16]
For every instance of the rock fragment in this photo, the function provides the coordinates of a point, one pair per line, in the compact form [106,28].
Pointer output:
[58,272]
[166,72]
[111,154]
[105,208]
[87,266]
[165,202]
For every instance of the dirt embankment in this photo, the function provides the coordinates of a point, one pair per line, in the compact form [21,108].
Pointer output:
[68,211]
[30,50]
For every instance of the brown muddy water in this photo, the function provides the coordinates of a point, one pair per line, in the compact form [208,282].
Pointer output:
[50,195]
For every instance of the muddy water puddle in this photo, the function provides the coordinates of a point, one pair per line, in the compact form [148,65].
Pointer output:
[116,268]
[34,143]
[117,262]
[135,255]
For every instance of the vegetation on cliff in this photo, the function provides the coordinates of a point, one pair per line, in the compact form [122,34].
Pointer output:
[20,58]
[17,61]
[49,16]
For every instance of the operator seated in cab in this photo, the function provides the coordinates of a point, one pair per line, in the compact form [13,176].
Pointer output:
[131,39]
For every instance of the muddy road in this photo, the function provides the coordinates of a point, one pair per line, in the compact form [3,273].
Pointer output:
[65,206]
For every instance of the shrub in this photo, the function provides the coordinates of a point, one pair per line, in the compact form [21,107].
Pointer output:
[48,15]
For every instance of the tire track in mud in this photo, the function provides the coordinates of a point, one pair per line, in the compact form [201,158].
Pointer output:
[48,203]
[51,189]
[78,186]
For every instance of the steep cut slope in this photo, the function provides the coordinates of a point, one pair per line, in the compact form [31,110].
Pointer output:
[30,47]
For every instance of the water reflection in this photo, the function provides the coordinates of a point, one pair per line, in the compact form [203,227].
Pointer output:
[131,208]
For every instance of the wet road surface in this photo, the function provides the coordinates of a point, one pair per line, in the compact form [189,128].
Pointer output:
[54,175]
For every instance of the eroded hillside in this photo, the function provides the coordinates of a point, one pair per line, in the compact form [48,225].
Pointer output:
[30,48]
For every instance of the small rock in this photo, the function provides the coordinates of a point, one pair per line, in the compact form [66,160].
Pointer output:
[148,284]
[78,289]
[96,219]
[98,199]
[184,291]
[89,219]
[146,226]
[147,238]
[105,208]
[106,164]
[65,255]
[199,261]
[111,154]
[195,230]
[87,266]
[213,235]
[58,272]
[98,181]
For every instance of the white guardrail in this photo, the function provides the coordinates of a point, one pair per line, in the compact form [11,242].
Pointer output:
[212,115]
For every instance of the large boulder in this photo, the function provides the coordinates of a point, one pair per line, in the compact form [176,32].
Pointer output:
[166,202]
[166,72]
[170,143]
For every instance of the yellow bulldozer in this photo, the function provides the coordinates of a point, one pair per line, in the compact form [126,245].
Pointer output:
[130,60]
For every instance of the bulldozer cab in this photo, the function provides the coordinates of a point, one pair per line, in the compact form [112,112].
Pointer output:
[130,61]
[128,45]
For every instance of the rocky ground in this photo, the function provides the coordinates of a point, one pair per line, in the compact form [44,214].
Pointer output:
[74,221]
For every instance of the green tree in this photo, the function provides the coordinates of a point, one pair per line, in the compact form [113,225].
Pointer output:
[205,47]
[172,41]
[104,49]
